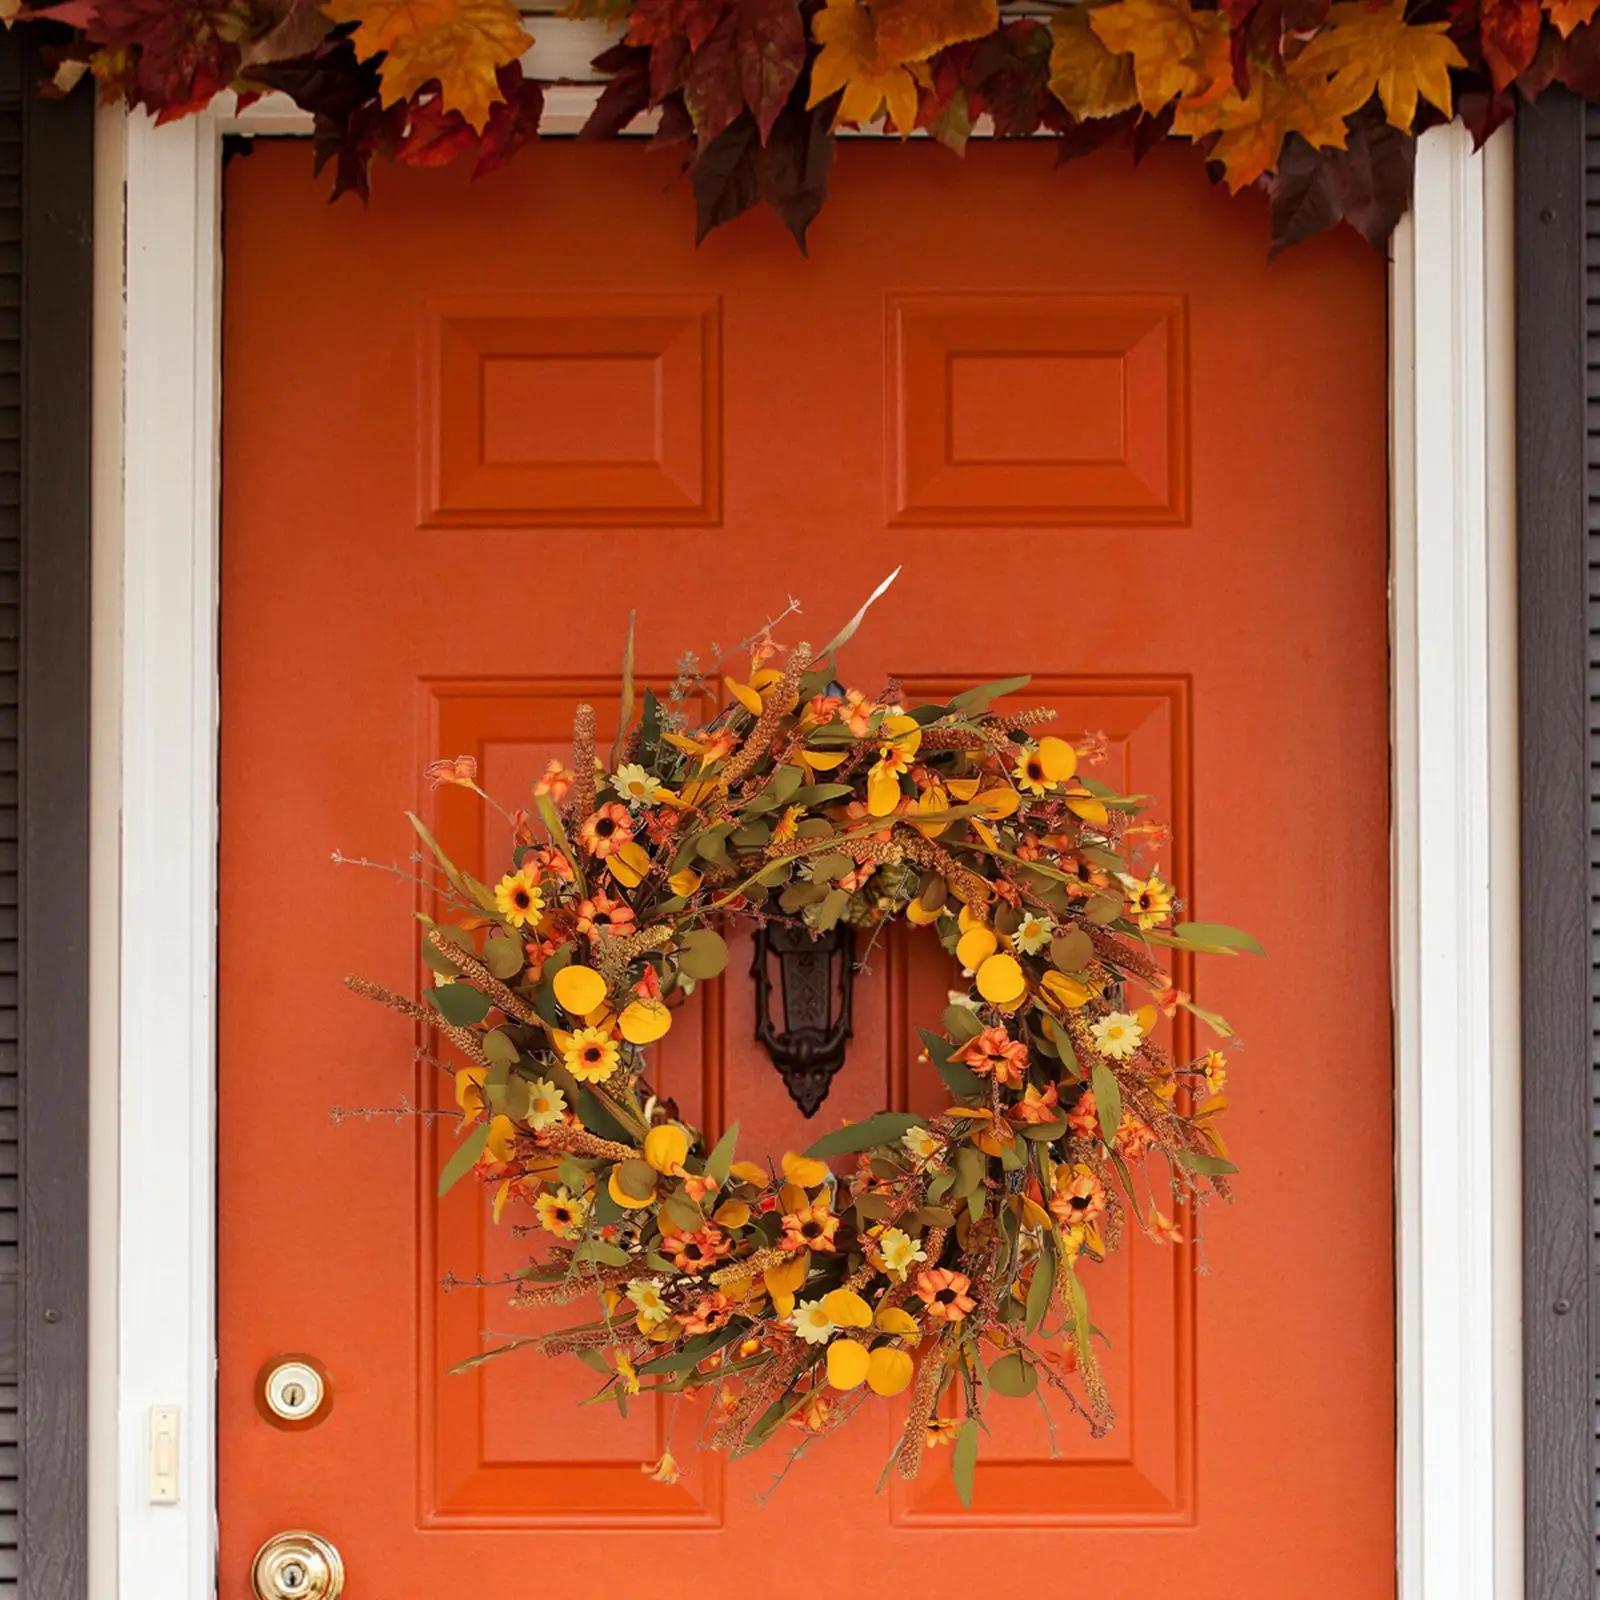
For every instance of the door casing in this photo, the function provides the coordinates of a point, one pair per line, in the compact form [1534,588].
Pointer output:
[1454,802]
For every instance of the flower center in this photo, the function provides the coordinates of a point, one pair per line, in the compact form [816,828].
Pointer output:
[945,1297]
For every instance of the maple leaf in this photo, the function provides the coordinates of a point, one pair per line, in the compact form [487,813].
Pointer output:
[1570,14]
[1509,35]
[657,21]
[847,65]
[1169,43]
[292,28]
[169,57]
[625,95]
[1008,77]
[866,49]
[1252,127]
[1087,78]
[752,58]
[461,44]
[1367,186]
[1366,50]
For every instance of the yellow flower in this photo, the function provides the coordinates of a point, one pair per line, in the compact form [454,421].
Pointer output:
[1032,935]
[627,1376]
[811,1322]
[941,1430]
[590,1054]
[1149,903]
[632,784]
[665,1470]
[787,826]
[923,1143]
[518,899]
[901,736]
[900,1252]
[1029,771]
[561,1213]
[1215,1069]
[1117,1035]
[546,1104]
[645,1293]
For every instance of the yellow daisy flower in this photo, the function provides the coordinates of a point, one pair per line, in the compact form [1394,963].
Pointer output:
[546,1104]
[1149,903]
[590,1054]
[645,1293]
[561,1213]
[811,1322]
[1030,773]
[1117,1035]
[518,899]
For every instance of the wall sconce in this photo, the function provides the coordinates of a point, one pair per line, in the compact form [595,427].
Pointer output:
[815,975]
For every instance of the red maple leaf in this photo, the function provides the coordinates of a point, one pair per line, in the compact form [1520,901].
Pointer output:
[657,21]
[177,54]
[1510,35]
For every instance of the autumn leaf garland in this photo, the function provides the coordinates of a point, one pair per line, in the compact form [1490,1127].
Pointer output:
[1305,98]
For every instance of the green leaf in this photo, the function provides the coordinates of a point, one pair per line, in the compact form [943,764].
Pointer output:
[720,1161]
[434,957]
[446,865]
[460,1003]
[499,1048]
[702,954]
[1210,1166]
[979,696]
[847,632]
[971,1164]
[463,1158]
[964,1461]
[1214,936]
[1044,1132]
[1063,1044]
[1103,908]
[551,818]
[649,728]
[1107,1100]
[961,1023]
[683,1213]
[502,955]
[959,1078]
[1219,1025]
[625,708]
[1072,950]
[598,1250]
[1042,1286]
[1014,1376]
[885,1127]
[816,794]
[786,781]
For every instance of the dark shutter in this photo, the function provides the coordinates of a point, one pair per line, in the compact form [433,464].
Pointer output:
[45,315]
[1558,429]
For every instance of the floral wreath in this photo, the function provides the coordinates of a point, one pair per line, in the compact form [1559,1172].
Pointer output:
[944,1255]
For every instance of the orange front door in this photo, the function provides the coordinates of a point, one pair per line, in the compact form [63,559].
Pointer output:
[467,430]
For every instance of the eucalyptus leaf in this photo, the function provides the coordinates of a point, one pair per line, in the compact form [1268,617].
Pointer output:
[463,1158]
[1217,936]
[1107,1100]
[961,1023]
[1208,1165]
[499,1048]
[885,1127]
[503,956]
[1013,1375]
[964,1461]
[720,1161]
[979,697]
[459,1003]
[816,794]
[702,954]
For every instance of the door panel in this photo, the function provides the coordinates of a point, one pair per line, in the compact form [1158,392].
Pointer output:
[465,432]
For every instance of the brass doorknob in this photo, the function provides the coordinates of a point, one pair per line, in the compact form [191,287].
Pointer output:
[297,1566]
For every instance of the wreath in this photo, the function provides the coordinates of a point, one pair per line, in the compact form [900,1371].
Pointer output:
[935,1254]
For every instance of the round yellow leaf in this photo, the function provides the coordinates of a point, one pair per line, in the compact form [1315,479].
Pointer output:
[976,946]
[1000,980]
[748,1172]
[997,803]
[1064,990]
[919,916]
[745,695]
[732,1214]
[1058,759]
[846,1309]
[665,1146]
[883,791]
[897,1320]
[848,1364]
[579,990]
[888,1370]
[804,1170]
[623,1198]
[787,1276]
[644,1021]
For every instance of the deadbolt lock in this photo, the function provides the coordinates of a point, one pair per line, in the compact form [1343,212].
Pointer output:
[293,1391]
[297,1566]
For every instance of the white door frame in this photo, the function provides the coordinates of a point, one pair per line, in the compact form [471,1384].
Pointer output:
[1456,908]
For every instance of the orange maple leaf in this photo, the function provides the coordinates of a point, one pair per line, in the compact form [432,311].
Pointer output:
[1169,43]
[1253,126]
[461,43]
[1086,77]
[1364,50]
[1570,14]
[867,50]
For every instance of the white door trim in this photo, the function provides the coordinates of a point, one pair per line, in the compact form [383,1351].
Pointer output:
[1454,832]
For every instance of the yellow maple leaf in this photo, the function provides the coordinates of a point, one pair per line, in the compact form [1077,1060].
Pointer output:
[1570,14]
[1087,78]
[1253,126]
[848,61]
[913,30]
[1362,50]
[461,43]
[1169,43]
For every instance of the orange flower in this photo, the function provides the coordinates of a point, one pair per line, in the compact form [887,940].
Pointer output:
[1163,1227]
[788,825]
[1084,1117]
[463,771]
[1087,878]
[557,780]
[941,1430]
[607,830]
[812,1227]
[695,1252]
[813,1416]
[698,1185]
[1037,1107]
[1169,999]
[708,1313]
[857,713]
[944,1293]
[1134,1137]
[604,915]
[993,1052]
[666,1470]
[546,862]
[1080,1197]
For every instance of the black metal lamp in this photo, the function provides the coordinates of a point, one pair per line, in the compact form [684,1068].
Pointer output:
[815,973]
